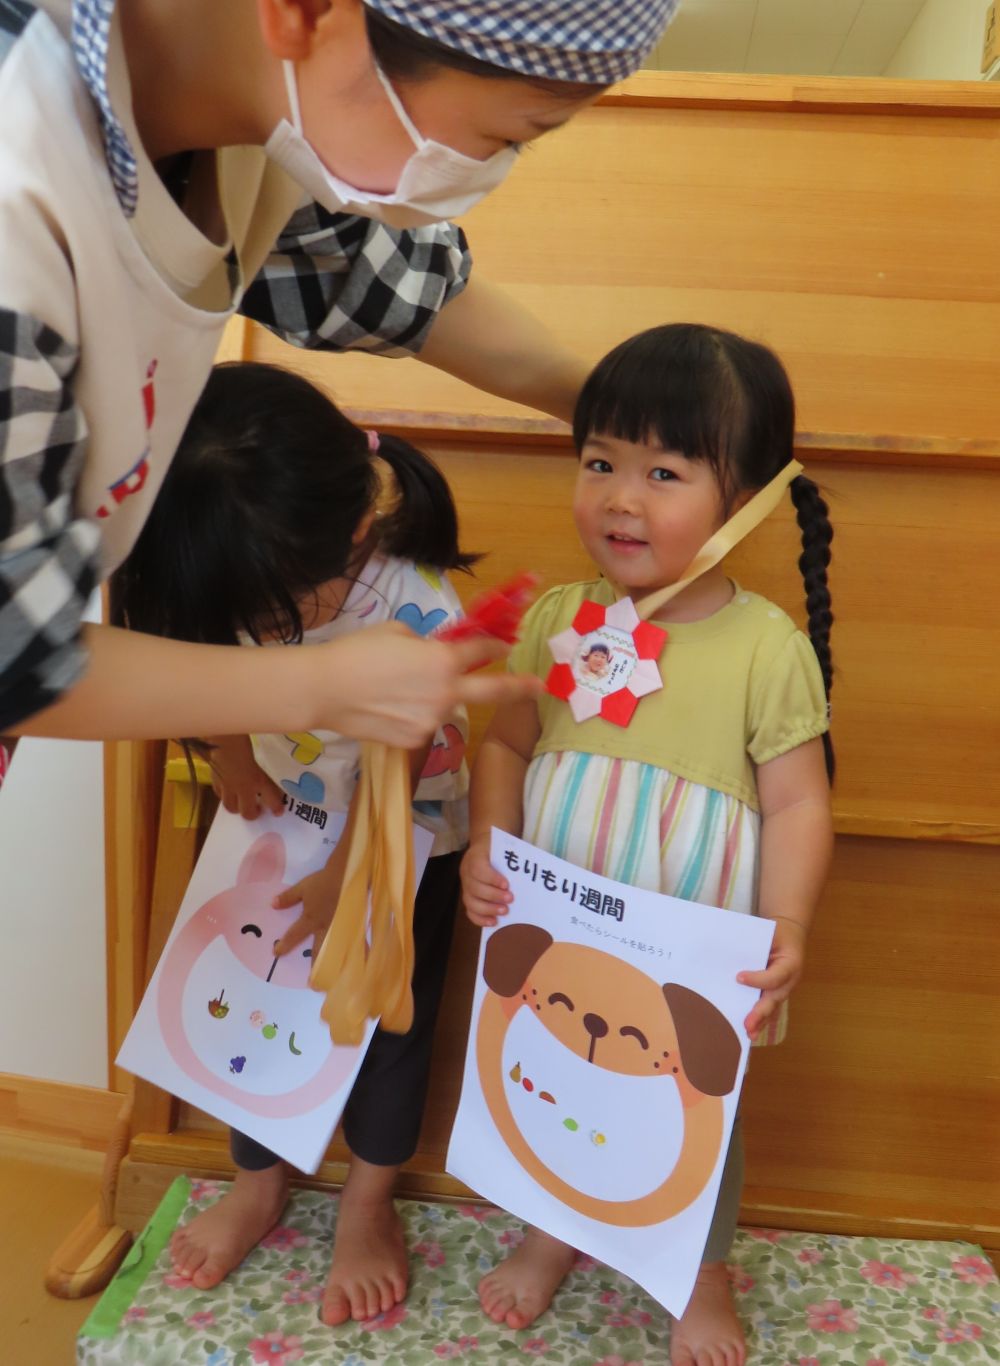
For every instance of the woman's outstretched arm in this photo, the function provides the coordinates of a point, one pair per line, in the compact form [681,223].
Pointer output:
[384,683]
[485,337]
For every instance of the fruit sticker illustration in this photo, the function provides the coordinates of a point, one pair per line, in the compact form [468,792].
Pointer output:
[217,1008]
[605,1059]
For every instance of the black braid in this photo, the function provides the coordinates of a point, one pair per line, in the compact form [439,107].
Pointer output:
[817,533]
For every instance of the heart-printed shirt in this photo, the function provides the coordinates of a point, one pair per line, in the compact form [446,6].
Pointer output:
[318,769]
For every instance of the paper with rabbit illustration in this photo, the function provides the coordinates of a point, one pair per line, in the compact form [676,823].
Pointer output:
[606,1056]
[228,1026]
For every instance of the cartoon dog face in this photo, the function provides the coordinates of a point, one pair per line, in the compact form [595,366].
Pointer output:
[575,1042]
[229,1008]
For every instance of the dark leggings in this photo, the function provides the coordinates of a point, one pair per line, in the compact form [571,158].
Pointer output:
[727,1206]
[382,1116]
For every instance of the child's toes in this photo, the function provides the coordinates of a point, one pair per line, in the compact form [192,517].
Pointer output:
[388,1297]
[496,1299]
[519,1316]
[189,1259]
[364,1301]
[336,1307]
[211,1269]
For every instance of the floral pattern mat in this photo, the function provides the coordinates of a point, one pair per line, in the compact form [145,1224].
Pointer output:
[805,1300]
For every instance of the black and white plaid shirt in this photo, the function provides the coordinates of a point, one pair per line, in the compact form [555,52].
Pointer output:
[337,282]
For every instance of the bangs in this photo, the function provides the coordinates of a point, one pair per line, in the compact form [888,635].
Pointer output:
[668,387]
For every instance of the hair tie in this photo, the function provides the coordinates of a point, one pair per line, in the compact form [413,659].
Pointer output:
[373,441]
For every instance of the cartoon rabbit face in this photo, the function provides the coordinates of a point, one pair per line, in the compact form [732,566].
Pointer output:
[249,924]
[235,1017]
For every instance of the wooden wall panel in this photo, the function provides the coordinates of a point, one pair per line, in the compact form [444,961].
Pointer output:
[885,1090]
[59,1113]
[861,246]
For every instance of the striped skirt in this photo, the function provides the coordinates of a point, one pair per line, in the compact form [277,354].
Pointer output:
[645,826]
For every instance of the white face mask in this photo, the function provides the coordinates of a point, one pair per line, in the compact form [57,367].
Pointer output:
[436,183]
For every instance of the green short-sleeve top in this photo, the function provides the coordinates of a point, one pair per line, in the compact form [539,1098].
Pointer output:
[741,687]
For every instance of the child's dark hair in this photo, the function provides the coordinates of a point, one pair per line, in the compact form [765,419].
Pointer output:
[714,396]
[260,504]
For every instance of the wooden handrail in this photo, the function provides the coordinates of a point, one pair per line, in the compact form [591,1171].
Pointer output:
[548,433]
[798,94]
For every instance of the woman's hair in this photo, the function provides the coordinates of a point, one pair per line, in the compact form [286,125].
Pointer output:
[260,505]
[405,55]
[717,397]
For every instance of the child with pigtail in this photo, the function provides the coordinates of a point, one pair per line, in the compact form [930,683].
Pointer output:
[718,790]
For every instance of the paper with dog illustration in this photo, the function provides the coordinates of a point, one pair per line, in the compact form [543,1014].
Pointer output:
[228,1026]
[606,1055]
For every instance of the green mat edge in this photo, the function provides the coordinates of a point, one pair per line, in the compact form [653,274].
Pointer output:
[106,1315]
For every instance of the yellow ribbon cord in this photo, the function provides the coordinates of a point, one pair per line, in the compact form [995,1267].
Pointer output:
[365,965]
[718,546]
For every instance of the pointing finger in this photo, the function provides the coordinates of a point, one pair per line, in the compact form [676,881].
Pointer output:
[293,936]
[497,689]
[291,896]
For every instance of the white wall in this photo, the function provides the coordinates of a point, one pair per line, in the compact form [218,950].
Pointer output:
[53,1002]
[945,42]
[53,1006]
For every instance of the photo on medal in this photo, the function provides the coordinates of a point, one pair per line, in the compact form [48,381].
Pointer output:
[605,660]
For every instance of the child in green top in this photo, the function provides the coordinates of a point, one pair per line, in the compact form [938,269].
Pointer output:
[718,791]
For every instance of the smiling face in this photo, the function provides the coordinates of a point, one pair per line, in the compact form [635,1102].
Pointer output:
[618,1022]
[643,513]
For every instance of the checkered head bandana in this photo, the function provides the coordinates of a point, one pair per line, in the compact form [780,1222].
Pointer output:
[595,42]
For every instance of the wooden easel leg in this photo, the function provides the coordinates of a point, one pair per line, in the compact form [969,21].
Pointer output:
[87,1259]
[159,826]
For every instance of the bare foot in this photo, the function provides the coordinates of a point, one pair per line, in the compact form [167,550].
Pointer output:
[370,1271]
[220,1237]
[522,1287]
[708,1333]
